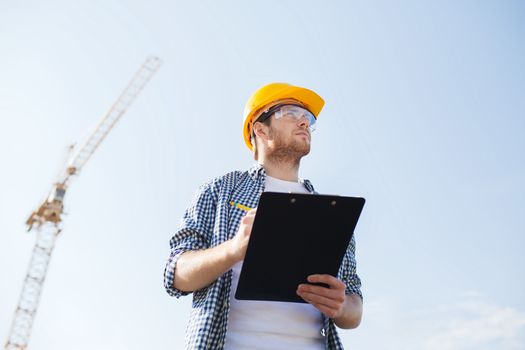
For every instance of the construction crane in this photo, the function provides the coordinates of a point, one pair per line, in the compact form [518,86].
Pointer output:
[46,220]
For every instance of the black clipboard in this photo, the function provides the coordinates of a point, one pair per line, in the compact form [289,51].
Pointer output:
[294,236]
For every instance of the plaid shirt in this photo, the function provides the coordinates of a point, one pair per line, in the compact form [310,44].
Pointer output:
[210,221]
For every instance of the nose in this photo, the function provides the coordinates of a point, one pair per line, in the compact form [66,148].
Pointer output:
[303,121]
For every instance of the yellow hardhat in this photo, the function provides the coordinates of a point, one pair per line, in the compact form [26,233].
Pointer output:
[269,95]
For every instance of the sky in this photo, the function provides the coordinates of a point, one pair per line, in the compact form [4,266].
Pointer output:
[424,117]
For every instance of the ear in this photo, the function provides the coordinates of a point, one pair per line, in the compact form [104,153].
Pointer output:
[261,131]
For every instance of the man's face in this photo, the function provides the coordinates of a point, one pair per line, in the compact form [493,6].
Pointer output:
[288,138]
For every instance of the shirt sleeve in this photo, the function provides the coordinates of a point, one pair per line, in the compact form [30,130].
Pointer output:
[348,273]
[194,234]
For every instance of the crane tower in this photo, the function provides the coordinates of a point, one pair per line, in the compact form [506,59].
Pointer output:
[46,220]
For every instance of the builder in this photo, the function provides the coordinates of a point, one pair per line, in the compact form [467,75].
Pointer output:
[208,250]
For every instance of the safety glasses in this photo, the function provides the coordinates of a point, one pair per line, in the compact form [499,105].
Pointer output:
[291,112]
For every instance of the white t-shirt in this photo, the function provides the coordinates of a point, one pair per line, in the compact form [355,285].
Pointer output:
[270,324]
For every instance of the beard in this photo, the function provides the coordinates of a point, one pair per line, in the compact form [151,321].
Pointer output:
[288,151]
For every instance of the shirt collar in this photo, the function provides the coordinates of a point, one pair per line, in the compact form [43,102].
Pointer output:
[258,173]
[308,185]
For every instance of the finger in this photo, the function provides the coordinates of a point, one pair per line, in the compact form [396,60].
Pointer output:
[329,312]
[246,220]
[321,299]
[249,220]
[328,279]
[336,294]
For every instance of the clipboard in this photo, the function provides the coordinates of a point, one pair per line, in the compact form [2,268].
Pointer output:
[293,236]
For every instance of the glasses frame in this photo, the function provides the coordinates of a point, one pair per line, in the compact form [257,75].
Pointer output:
[268,113]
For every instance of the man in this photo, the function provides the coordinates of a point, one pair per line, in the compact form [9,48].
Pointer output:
[208,250]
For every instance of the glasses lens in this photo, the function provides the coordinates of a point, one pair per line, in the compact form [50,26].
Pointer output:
[295,113]
[311,122]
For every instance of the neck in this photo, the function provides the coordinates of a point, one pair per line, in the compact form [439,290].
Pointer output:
[288,171]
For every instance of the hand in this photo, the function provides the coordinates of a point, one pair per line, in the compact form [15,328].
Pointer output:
[239,243]
[330,301]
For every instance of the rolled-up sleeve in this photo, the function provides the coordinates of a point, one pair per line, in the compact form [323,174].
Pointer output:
[348,273]
[193,234]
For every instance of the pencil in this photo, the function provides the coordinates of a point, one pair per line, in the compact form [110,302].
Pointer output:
[240,206]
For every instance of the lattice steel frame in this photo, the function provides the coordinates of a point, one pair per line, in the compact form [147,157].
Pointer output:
[47,218]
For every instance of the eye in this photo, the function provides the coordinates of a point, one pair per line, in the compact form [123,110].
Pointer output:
[288,114]
[295,110]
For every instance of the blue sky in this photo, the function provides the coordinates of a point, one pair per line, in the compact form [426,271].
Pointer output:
[423,117]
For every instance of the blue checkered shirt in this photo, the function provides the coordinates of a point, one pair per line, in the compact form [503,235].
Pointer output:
[210,221]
